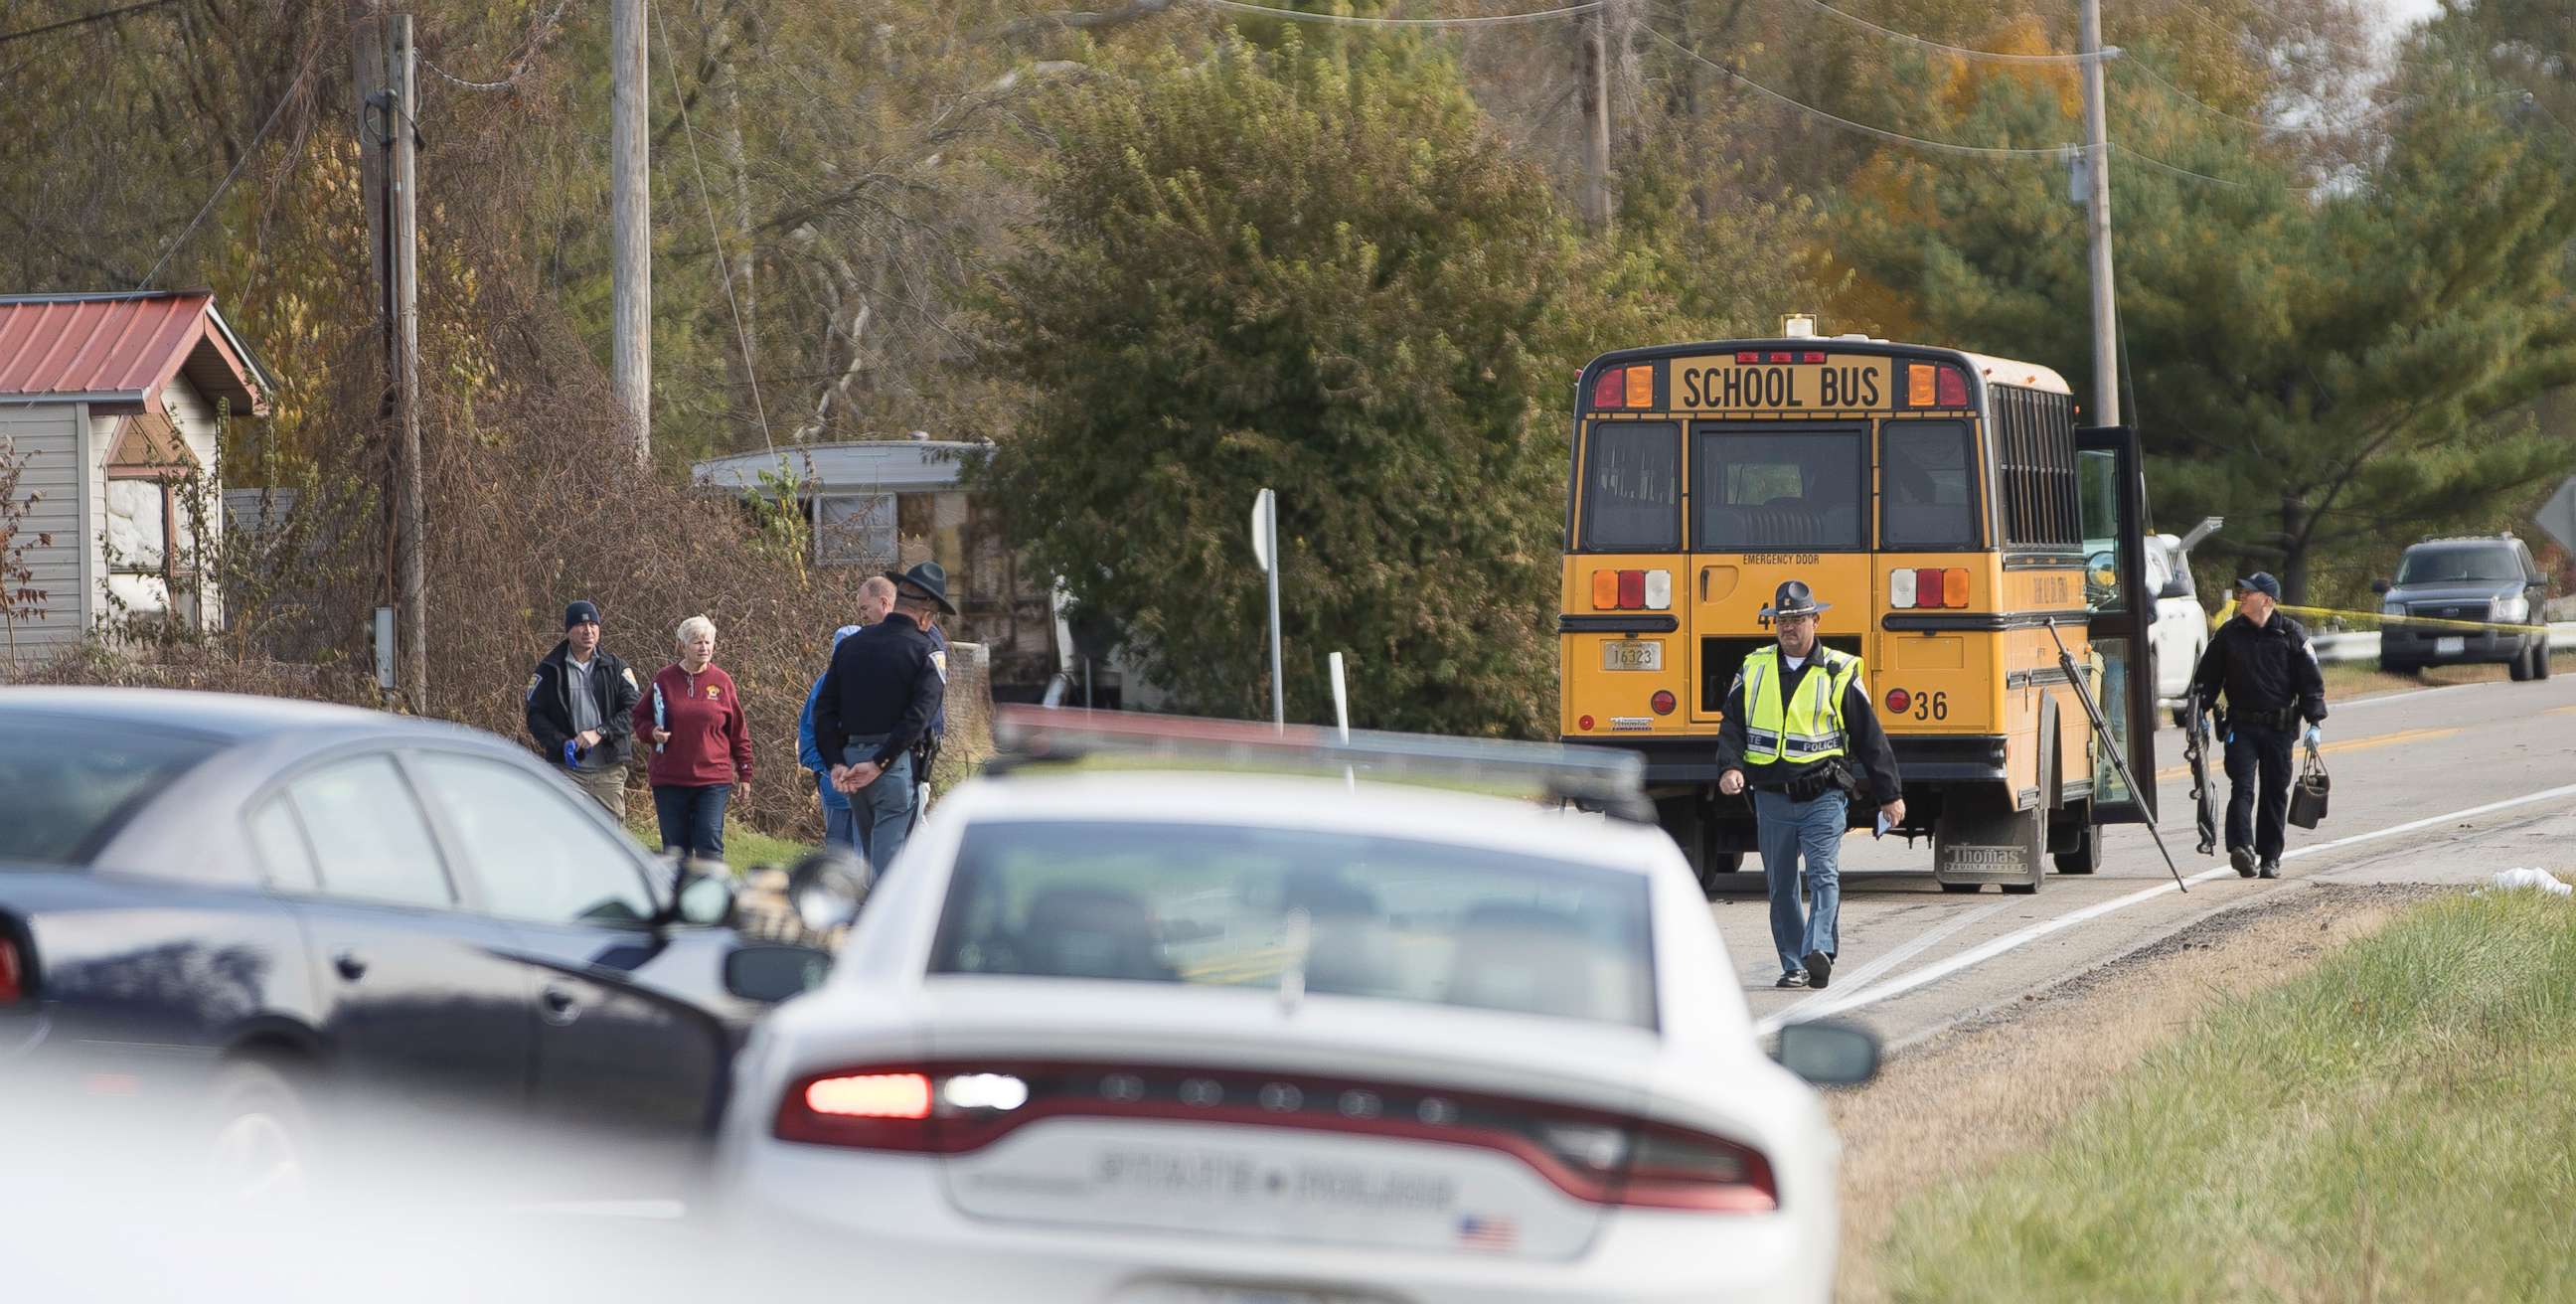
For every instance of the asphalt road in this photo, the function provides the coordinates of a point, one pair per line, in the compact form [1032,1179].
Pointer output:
[2442,785]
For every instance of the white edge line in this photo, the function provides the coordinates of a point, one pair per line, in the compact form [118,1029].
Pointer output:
[1939,970]
[1859,979]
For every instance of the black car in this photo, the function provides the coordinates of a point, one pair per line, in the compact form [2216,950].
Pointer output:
[2489,585]
[281,908]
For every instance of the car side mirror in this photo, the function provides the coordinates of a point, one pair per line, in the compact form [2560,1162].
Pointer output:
[1827,1053]
[770,973]
[2379,587]
[2173,589]
[827,888]
[706,899]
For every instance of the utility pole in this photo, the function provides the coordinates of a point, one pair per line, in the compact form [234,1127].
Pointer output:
[2097,224]
[630,361]
[1596,120]
[381,63]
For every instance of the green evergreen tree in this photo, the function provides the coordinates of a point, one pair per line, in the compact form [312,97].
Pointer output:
[1323,274]
[2327,369]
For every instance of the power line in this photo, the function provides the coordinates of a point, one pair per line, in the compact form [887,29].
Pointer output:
[527,57]
[1353,20]
[1898,137]
[84,20]
[1960,51]
[724,266]
[248,152]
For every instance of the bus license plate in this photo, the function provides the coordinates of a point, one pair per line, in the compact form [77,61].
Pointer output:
[1633,654]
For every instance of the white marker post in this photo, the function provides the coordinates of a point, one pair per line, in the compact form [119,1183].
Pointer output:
[1265,549]
[1342,715]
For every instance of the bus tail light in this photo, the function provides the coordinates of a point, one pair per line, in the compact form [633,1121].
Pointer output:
[1584,723]
[1641,387]
[1899,701]
[1953,386]
[1900,588]
[1605,590]
[1663,701]
[1954,587]
[1632,590]
[1610,388]
[1930,384]
[1927,587]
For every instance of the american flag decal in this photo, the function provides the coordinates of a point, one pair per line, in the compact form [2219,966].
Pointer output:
[1488,1233]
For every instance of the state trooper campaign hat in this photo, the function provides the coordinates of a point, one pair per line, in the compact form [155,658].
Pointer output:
[929,579]
[1793,599]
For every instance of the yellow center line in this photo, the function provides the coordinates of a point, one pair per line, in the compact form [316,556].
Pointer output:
[2559,710]
[2351,745]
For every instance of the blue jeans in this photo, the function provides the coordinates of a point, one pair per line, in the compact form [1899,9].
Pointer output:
[882,810]
[692,819]
[1814,830]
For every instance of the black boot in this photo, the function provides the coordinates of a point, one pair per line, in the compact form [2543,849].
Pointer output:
[2243,859]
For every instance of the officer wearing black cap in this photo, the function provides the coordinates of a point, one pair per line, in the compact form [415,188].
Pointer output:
[1797,717]
[886,684]
[2262,661]
[579,704]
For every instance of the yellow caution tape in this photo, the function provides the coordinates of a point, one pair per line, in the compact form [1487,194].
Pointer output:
[2378,620]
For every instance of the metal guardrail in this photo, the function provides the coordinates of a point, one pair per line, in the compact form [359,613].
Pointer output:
[2364,645]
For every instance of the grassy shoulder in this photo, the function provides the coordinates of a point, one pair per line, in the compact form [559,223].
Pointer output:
[2392,1124]
[2364,678]
[745,847]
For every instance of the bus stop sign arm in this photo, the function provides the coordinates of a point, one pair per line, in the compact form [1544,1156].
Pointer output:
[2084,694]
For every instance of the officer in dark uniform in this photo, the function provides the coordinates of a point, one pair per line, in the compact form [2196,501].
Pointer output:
[1797,718]
[2262,661]
[885,686]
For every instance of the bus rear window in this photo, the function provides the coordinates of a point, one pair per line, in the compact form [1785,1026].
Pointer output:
[1765,491]
[1632,483]
[1925,473]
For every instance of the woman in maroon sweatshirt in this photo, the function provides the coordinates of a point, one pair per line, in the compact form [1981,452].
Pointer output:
[701,744]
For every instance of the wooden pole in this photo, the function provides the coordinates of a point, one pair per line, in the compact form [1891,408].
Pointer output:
[382,64]
[630,224]
[1596,120]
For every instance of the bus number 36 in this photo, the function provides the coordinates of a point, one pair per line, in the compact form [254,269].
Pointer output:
[1932,706]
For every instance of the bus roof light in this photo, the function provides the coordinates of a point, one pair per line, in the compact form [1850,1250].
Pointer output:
[1954,587]
[1918,384]
[1641,387]
[1783,355]
[1812,355]
[1610,388]
[1953,387]
[1748,355]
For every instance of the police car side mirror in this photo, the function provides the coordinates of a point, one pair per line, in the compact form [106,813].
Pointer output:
[2379,587]
[1827,1053]
[827,888]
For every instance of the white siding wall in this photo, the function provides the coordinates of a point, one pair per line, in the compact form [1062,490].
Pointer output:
[195,415]
[47,436]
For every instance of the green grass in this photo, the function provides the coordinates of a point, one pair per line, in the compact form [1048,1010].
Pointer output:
[2360,678]
[2398,1124]
[745,848]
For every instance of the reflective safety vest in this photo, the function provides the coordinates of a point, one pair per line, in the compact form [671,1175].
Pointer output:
[1807,730]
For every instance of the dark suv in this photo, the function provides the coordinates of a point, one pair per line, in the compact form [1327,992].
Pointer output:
[2487,580]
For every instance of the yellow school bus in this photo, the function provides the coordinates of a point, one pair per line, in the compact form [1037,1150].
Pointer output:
[1958,522]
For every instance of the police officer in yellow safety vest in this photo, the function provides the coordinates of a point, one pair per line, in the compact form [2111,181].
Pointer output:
[1797,719]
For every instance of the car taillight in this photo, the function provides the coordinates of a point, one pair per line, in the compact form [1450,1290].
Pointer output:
[1673,1169]
[1664,702]
[1592,1155]
[1899,701]
[13,972]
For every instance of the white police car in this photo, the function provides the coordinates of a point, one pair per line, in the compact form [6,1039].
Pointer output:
[1138,1030]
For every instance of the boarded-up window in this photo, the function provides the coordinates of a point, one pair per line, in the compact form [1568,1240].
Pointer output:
[855,530]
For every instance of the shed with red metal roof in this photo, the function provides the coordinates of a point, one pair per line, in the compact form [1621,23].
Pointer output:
[109,403]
